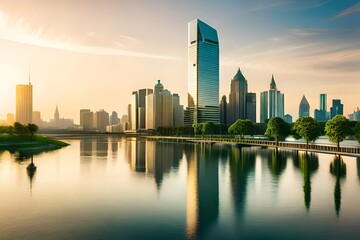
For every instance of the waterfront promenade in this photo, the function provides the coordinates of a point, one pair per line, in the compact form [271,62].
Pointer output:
[318,148]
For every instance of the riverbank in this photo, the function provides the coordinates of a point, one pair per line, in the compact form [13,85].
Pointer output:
[36,143]
[316,148]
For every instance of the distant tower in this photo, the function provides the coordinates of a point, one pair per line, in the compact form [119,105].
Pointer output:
[56,117]
[114,119]
[271,103]
[237,97]
[323,102]
[337,108]
[321,114]
[251,107]
[304,107]
[223,110]
[24,103]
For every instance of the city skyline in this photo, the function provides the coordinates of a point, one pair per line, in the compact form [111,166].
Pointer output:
[71,59]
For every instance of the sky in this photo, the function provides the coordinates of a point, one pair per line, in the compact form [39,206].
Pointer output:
[93,54]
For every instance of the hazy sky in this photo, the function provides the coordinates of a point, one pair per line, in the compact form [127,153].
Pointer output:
[93,54]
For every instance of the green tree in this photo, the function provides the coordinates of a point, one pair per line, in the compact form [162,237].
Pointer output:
[278,129]
[208,128]
[337,129]
[32,128]
[20,129]
[241,128]
[307,128]
[197,128]
[357,131]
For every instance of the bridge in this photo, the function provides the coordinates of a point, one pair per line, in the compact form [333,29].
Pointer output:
[318,148]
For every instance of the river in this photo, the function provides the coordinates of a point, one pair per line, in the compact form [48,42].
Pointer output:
[103,187]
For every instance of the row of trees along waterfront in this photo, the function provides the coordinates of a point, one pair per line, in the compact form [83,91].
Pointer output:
[337,129]
[19,129]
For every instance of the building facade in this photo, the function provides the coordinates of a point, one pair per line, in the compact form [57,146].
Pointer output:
[163,108]
[138,109]
[203,73]
[223,110]
[86,119]
[251,107]
[237,97]
[242,104]
[24,103]
[271,103]
[321,114]
[101,120]
[337,108]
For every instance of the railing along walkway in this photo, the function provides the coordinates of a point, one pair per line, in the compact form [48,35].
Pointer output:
[353,151]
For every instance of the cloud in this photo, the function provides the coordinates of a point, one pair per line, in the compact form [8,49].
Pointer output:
[17,30]
[287,4]
[303,51]
[354,9]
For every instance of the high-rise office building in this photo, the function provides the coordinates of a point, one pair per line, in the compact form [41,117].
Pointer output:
[237,97]
[271,103]
[134,110]
[304,107]
[24,103]
[323,102]
[114,119]
[321,114]
[223,110]
[203,73]
[178,111]
[129,116]
[86,119]
[242,104]
[251,107]
[101,120]
[337,108]
[163,108]
[138,109]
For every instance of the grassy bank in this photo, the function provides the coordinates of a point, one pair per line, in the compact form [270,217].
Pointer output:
[36,143]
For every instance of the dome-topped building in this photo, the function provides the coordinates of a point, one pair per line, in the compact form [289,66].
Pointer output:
[158,87]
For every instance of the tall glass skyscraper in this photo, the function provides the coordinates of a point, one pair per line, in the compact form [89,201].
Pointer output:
[203,73]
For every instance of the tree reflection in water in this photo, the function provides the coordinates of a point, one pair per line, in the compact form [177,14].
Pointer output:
[308,164]
[338,169]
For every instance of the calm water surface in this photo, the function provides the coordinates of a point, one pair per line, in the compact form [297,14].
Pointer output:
[116,188]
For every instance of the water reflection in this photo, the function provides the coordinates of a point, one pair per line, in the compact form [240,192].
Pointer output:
[161,158]
[153,158]
[241,164]
[338,169]
[202,202]
[308,164]
[86,147]
[277,164]
[31,169]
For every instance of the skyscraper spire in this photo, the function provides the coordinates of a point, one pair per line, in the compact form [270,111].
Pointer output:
[272,84]
[29,76]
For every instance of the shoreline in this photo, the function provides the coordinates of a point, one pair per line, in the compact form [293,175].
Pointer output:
[36,144]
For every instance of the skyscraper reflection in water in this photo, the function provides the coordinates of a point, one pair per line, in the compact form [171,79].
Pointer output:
[202,203]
